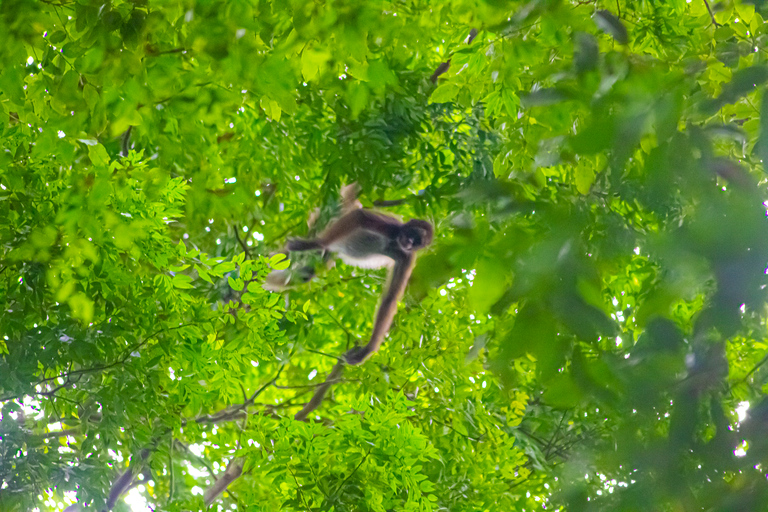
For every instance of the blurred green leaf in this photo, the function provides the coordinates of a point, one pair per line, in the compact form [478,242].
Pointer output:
[610,24]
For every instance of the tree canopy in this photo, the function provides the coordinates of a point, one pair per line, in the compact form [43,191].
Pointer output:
[587,331]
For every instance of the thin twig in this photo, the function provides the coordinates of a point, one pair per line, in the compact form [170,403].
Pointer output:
[122,359]
[392,202]
[235,412]
[341,485]
[470,438]
[242,244]
[298,488]
[749,374]
[711,14]
[321,353]
[58,433]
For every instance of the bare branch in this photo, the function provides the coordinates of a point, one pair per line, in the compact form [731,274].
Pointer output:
[242,244]
[237,411]
[711,14]
[125,142]
[122,359]
[58,433]
[124,481]
[232,473]
[322,389]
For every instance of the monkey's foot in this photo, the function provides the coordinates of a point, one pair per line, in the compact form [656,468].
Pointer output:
[356,355]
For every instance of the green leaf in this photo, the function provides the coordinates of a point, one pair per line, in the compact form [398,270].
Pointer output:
[312,62]
[488,286]
[98,155]
[182,281]
[610,24]
[743,82]
[587,53]
[271,108]
[279,262]
[236,284]
[82,307]
[444,93]
[223,267]
[57,37]
[585,177]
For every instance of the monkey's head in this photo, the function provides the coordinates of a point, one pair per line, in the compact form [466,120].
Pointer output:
[416,234]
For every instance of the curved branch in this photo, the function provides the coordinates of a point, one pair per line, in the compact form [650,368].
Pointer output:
[322,389]
[232,473]
[124,481]
[237,411]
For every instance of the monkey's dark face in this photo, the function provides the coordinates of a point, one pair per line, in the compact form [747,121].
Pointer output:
[416,234]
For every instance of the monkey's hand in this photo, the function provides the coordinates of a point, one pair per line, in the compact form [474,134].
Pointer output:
[357,355]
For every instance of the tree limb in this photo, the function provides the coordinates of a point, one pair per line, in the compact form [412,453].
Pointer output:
[322,389]
[125,141]
[124,481]
[122,359]
[237,411]
[443,67]
[242,244]
[232,473]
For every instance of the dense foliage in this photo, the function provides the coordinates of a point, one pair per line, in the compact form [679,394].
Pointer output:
[587,332]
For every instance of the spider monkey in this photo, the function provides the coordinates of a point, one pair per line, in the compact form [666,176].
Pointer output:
[369,239]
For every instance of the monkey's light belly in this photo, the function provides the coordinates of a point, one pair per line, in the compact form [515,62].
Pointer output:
[364,249]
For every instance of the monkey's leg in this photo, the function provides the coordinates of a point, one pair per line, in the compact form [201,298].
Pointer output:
[357,355]
[298,244]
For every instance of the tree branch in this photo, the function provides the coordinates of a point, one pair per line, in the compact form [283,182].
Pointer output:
[711,14]
[237,411]
[122,359]
[242,244]
[232,473]
[123,482]
[125,142]
[443,67]
[341,485]
[58,433]
[321,390]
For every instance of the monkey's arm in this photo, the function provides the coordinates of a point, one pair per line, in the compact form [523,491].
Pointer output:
[343,227]
[386,312]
